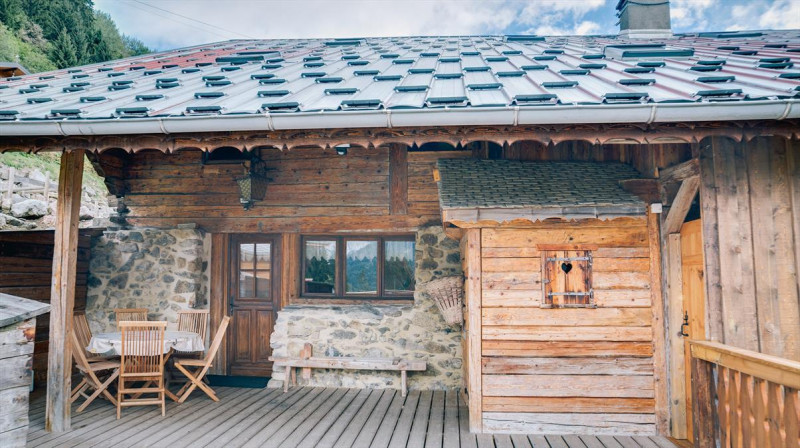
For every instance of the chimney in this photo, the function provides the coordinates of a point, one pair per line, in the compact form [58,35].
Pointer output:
[644,19]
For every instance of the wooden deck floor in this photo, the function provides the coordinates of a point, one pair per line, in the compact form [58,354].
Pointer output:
[303,417]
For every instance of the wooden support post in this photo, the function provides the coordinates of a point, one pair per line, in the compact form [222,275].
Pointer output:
[62,295]
[474,336]
[10,186]
[659,330]
[677,360]
[703,409]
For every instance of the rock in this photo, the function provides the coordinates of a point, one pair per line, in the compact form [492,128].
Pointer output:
[38,176]
[86,213]
[29,209]
[2,220]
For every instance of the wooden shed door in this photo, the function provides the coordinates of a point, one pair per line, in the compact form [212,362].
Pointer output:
[253,303]
[693,299]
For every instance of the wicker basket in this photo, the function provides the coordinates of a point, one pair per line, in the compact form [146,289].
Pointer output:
[448,293]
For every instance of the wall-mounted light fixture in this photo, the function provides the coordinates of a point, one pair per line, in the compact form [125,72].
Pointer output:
[253,185]
[342,149]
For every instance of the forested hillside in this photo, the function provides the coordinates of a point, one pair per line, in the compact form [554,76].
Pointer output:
[49,34]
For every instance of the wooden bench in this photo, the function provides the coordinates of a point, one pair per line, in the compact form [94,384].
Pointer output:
[308,362]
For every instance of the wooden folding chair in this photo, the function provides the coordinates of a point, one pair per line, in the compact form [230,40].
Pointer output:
[195,321]
[127,314]
[196,369]
[141,360]
[90,380]
[80,327]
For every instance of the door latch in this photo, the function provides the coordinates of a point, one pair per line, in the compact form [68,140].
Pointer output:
[685,324]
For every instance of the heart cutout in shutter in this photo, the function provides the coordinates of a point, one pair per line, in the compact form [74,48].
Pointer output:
[566,267]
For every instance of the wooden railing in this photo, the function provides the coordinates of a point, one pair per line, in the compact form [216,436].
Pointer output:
[743,398]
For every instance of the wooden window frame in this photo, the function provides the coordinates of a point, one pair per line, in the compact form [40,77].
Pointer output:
[547,296]
[340,274]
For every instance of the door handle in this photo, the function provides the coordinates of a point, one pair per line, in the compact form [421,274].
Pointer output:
[685,324]
[230,306]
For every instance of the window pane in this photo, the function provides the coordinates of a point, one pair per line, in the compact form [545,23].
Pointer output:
[263,256]
[398,275]
[262,284]
[320,259]
[246,284]
[246,256]
[362,267]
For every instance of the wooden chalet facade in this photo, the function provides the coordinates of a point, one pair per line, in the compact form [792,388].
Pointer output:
[629,268]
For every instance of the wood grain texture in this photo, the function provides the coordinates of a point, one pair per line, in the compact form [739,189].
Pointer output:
[65,261]
[473,289]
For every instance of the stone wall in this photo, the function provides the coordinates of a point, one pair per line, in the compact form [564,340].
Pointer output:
[414,331]
[162,270]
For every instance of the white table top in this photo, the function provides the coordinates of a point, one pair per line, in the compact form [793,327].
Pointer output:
[111,343]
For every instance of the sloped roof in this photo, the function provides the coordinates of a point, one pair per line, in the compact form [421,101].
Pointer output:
[535,190]
[385,82]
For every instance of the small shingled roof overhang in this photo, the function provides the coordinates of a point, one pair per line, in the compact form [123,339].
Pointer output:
[476,190]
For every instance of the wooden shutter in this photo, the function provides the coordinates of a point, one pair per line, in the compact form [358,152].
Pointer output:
[567,278]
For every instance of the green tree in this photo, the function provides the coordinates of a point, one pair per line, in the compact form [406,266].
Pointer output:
[63,51]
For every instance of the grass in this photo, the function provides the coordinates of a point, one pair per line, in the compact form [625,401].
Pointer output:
[49,163]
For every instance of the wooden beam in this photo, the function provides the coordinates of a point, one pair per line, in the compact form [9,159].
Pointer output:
[681,205]
[677,360]
[679,172]
[218,298]
[474,325]
[398,179]
[62,298]
[646,189]
[659,330]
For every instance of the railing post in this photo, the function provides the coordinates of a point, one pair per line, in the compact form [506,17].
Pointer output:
[703,409]
[10,189]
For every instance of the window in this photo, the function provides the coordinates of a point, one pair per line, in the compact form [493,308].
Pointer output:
[358,267]
[567,278]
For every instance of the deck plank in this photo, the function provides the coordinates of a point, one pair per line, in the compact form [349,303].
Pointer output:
[250,425]
[303,417]
[302,431]
[358,421]
[573,441]
[433,439]
[273,425]
[520,441]
[288,427]
[416,438]
[538,441]
[450,436]
[404,422]
[379,414]
[263,399]
[386,430]
[337,428]
[322,427]
[186,414]
[467,439]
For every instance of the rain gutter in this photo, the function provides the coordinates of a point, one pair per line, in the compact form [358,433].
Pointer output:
[467,116]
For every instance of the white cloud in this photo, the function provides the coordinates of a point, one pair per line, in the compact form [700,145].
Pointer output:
[583,28]
[304,19]
[782,14]
[691,14]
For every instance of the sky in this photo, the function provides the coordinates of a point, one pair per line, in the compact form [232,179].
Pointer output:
[167,24]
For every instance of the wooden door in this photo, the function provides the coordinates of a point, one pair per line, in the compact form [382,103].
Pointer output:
[253,303]
[693,289]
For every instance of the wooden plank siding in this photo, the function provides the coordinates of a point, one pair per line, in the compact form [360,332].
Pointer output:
[310,190]
[26,258]
[750,223]
[545,369]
